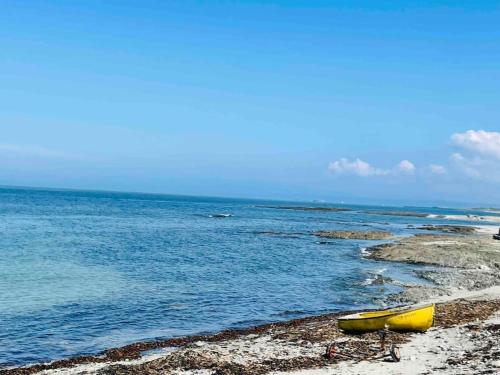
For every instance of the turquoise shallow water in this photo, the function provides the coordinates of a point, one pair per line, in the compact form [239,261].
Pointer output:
[84,271]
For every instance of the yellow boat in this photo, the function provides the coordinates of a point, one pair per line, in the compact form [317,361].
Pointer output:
[408,318]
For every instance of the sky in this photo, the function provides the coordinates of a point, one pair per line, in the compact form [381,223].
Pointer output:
[355,101]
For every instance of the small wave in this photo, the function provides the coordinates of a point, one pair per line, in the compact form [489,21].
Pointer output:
[377,279]
[220,216]
[368,281]
[177,306]
[290,313]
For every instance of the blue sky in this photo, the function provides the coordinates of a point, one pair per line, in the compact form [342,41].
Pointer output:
[273,99]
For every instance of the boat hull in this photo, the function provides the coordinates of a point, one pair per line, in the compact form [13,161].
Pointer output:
[418,319]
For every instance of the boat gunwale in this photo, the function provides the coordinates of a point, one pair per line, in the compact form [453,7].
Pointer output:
[358,316]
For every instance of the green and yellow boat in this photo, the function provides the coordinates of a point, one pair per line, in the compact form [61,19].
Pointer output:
[408,318]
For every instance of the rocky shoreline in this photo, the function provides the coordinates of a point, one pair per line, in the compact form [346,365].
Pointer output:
[467,252]
[467,261]
[282,347]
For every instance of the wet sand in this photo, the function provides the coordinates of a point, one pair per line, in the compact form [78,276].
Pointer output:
[464,338]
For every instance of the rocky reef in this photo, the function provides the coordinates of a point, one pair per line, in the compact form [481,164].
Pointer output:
[472,252]
[458,229]
[302,208]
[354,235]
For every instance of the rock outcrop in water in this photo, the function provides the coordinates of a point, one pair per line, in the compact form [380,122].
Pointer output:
[354,235]
[397,213]
[282,234]
[301,208]
[458,229]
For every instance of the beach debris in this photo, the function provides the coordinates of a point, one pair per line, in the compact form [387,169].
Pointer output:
[331,349]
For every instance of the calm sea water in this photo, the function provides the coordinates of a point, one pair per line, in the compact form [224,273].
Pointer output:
[84,271]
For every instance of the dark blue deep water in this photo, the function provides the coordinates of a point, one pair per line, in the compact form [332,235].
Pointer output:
[84,271]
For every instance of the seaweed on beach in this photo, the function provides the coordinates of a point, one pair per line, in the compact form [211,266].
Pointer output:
[311,333]
[463,311]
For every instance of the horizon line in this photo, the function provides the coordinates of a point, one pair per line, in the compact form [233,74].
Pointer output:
[467,205]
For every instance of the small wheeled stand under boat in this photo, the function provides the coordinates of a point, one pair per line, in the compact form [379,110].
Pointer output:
[335,351]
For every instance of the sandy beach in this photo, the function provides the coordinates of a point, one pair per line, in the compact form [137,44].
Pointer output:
[464,339]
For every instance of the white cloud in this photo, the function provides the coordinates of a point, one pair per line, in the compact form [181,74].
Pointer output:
[356,167]
[437,169]
[364,169]
[479,142]
[479,155]
[406,166]
[477,167]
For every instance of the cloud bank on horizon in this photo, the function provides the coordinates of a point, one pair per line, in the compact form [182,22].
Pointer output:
[477,156]
[466,170]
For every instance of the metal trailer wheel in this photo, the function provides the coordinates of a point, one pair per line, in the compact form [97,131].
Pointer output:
[395,353]
[330,351]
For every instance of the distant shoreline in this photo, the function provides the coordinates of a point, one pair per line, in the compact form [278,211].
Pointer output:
[299,201]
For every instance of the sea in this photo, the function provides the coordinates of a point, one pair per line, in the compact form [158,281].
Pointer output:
[83,271]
